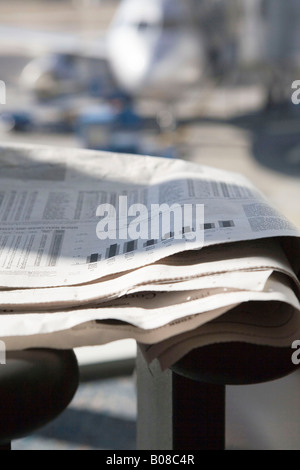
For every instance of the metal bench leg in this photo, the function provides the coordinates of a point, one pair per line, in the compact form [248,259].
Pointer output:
[176,413]
[154,426]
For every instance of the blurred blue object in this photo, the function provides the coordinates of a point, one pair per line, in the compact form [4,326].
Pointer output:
[114,127]
[19,121]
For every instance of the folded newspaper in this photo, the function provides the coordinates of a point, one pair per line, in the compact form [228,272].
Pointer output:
[97,247]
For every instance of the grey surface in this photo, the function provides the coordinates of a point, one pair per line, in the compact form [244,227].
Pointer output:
[154,391]
[102,416]
[266,416]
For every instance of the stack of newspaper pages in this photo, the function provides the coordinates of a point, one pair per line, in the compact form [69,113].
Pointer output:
[97,247]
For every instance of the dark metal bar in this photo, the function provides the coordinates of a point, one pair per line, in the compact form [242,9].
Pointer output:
[5,446]
[198,415]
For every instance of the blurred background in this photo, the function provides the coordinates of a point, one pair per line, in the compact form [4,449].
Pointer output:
[208,81]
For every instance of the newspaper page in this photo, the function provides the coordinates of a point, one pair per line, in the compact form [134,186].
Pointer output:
[190,267]
[147,310]
[101,332]
[96,247]
[270,317]
[51,235]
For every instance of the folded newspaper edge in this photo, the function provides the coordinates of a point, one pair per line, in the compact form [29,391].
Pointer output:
[65,282]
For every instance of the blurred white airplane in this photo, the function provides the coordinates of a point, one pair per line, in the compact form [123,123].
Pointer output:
[152,48]
[155,48]
[158,48]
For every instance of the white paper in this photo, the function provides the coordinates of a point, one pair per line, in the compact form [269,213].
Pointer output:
[63,286]
[49,198]
[261,254]
[145,310]
[97,333]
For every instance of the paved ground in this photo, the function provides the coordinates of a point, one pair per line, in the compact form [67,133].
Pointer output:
[102,416]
